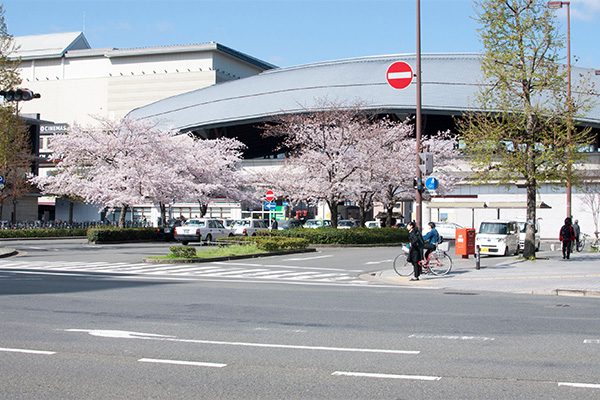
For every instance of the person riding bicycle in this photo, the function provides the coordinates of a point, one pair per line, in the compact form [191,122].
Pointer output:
[415,254]
[431,239]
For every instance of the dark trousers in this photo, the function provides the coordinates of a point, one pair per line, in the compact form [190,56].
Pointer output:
[566,249]
[429,247]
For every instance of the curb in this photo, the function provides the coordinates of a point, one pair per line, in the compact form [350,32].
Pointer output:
[7,252]
[226,258]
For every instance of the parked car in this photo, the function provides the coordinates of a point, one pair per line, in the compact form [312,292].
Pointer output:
[522,227]
[249,227]
[167,232]
[372,224]
[498,237]
[447,230]
[227,223]
[317,223]
[348,223]
[201,230]
[289,224]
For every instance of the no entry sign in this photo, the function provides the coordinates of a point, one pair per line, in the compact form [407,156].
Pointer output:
[270,195]
[399,75]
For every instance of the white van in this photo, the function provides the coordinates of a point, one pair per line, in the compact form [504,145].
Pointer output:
[522,227]
[498,237]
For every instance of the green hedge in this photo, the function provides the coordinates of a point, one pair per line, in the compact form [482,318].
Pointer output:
[344,236]
[271,243]
[183,252]
[43,233]
[108,234]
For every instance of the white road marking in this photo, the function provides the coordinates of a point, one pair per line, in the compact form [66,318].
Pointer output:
[149,336]
[452,337]
[308,258]
[179,362]
[580,385]
[387,376]
[379,262]
[592,341]
[42,352]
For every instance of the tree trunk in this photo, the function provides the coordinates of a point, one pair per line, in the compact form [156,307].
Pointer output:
[334,212]
[163,213]
[122,216]
[71,207]
[203,209]
[529,246]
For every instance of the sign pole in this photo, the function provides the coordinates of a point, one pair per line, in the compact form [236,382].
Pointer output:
[418,196]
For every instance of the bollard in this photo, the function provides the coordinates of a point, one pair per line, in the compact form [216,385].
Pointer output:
[477,257]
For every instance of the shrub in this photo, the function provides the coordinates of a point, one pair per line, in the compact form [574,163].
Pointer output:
[112,234]
[271,243]
[344,236]
[183,252]
[32,233]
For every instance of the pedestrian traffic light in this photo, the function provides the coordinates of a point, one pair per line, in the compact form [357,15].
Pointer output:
[19,95]
[418,184]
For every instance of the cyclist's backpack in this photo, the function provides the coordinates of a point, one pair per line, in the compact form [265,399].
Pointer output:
[565,233]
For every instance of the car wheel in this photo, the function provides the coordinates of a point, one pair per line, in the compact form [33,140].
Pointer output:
[231,235]
[185,243]
[505,251]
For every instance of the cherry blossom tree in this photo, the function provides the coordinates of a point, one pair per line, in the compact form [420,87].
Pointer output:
[121,163]
[330,150]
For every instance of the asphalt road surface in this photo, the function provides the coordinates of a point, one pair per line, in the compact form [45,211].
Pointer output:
[108,333]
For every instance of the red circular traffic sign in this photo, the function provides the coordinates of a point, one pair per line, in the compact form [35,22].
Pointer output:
[399,75]
[270,195]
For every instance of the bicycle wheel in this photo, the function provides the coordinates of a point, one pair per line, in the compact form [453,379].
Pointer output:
[402,266]
[440,264]
[581,244]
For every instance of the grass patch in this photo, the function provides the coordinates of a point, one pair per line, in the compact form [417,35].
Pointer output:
[218,251]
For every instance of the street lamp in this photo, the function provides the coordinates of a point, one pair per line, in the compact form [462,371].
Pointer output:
[556,5]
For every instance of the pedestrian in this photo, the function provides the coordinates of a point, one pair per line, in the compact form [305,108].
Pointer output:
[566,236]
[577,232]
[415,254]
[431,239]
[274,224]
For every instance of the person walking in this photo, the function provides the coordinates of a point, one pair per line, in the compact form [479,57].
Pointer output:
[577,232]
[431,239]
[274,224]
[566,236]
[415,254]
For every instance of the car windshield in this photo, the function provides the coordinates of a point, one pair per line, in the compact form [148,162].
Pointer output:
[522,227]
[494,228]
[345,223]
[312,223]
[243,223]
[196,222]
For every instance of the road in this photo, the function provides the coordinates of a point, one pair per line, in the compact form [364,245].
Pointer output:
[111,334]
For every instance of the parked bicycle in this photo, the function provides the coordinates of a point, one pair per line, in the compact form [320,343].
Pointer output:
[438,263]
[585,238]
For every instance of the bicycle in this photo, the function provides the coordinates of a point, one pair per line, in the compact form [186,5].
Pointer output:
[594,242]
[438,262]
[580,244]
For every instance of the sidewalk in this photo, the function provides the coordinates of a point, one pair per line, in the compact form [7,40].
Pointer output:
[549,274]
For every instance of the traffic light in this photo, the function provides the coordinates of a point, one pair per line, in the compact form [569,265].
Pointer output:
[19,95]
[418,184]
[427,163]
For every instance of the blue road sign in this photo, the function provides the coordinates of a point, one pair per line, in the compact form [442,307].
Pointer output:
[1,179]
[270,206]
[431,183]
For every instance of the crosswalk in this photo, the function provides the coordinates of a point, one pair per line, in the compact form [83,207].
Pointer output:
[222,270]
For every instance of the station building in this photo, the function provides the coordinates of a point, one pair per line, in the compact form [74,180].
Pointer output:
[210,91]
[450,83]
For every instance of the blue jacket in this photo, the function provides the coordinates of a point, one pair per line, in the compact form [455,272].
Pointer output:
[432,236]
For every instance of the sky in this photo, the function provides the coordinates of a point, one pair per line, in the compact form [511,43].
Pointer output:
[285,32]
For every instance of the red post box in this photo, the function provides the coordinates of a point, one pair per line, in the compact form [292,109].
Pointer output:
[464,242]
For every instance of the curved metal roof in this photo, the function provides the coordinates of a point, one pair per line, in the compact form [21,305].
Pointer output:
[449,86]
